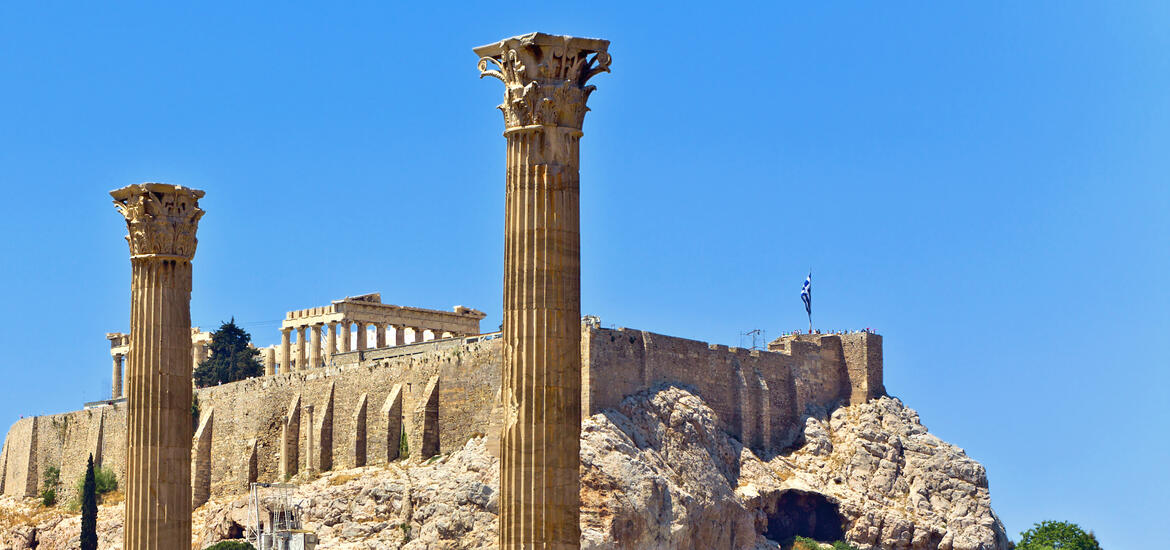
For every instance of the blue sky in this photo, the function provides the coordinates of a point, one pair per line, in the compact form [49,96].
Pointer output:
[986,185]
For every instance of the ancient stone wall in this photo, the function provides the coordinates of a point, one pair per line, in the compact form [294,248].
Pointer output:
[758,395]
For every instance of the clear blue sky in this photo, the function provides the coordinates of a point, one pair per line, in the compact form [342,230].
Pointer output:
[986,185]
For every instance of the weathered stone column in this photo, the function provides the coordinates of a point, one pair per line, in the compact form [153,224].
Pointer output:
[302,348]
[380,335]
[331,341]
[116,389]
[545,93]
[345,336]
[315,345]
[162,220]
[399,335]
[269,361]
[285,350]
[361,335]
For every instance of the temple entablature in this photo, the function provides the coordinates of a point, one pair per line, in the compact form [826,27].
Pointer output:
[368,309]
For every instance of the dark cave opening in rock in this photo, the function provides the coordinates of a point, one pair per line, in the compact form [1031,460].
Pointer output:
[798,513]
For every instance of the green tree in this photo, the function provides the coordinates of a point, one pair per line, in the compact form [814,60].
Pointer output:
[1057,535]
[49,490]
[229,358]
[89,510]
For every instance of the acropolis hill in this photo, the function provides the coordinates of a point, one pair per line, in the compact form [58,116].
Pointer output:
[440,391]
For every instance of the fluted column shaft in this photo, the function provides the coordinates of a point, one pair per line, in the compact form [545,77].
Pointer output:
[162,220]
[302,347]
[315,346]
[331,341]
[345,336]
[285,350]
[544,107]
[379,335]
[116,389]
[269,361]
[361,336]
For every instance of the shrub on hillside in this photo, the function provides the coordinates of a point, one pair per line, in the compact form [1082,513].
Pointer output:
[231,545]
[104,481]
[49,486]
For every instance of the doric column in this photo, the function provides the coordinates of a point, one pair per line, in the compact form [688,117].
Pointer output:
[285,350]
[361,336]
[416,334]
[545,93]
[380,335]
[302,348]
[331,341]
[399,338]
[162,220]
[269,361]
[116,389]
[345,336]
[315,345]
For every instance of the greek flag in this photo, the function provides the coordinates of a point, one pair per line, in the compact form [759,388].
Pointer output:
[806,294]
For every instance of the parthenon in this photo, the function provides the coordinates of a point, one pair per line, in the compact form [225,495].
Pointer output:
[345,324]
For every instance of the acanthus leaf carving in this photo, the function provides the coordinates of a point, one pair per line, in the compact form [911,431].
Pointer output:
[161,219]
[545,77]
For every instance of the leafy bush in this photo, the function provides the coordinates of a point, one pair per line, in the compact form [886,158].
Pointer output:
[231,545]
[49,486]
[1057,535]
[105,481]
[805,543]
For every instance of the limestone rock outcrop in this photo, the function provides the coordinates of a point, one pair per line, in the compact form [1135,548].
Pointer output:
[656,473]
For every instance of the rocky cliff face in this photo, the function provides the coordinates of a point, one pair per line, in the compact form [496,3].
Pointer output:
[656,473]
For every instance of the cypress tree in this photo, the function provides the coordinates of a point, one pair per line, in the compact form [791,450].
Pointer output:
[89,539]
[229,358]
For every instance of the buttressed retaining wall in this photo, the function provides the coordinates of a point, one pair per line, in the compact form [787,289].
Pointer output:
[442,393]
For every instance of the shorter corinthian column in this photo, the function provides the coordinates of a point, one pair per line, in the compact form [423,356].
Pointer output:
[162,220]
[116,390]
[545,92]
[285,350]
[269,361]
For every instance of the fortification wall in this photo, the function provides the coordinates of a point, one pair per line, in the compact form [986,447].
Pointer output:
[441,393]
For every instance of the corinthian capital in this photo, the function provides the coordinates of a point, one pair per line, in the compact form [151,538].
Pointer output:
[162,219]
[544,77]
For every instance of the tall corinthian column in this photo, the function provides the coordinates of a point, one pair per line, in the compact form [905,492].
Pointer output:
[162,220]
[545,92]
